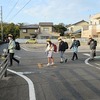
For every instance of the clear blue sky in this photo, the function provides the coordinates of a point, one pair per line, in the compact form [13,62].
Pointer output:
[56,11]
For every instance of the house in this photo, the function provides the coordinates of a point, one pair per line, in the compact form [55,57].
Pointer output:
[93,29]
[76,27]
[52,35]
[29,31]
[46,31]
[42,31]
[46,27]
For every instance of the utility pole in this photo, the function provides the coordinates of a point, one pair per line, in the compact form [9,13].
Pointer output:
[1,25]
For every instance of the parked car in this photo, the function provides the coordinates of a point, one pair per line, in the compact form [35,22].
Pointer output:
[33,41]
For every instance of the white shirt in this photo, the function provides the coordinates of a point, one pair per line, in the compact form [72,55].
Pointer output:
[11,46]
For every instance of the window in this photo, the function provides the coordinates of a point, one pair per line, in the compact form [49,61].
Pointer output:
[35,30]
[45,29]
[24,30]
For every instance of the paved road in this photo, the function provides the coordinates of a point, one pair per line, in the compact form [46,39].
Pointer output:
[73,80]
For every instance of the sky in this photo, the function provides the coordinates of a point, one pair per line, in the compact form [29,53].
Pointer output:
[56,11]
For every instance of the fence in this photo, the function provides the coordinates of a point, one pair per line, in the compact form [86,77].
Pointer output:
[3,67]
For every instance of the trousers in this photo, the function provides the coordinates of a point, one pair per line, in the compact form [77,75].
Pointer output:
[11,55]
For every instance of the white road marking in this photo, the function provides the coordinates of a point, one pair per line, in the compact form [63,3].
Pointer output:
[97,64]
[30,84]
[25,73]
[87,62]
[86,54]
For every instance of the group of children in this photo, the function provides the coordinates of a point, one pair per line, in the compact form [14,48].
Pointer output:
[61,49]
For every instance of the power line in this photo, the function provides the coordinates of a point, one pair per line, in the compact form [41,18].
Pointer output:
[10,2]
[21,9]
[12,9]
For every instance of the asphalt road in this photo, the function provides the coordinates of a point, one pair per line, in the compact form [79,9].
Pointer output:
[74,80]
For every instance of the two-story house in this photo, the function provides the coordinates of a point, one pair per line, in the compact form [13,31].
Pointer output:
[29,31]
[94,27]
[42,31]
[76,28]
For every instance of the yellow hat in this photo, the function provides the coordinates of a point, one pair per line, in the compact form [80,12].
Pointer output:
[73,37]
[90,37]
[59,38]
[48,40]
[10,35]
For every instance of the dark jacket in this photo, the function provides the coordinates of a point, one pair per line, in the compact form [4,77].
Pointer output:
[92,44]
[62,46]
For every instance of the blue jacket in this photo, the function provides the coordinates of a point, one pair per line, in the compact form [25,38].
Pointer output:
[74,46]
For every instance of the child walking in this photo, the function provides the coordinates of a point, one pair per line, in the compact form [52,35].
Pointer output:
[49,51]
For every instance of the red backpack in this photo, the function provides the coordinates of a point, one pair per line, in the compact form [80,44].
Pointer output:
[55,47]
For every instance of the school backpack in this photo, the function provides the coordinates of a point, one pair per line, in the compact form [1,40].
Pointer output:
[66,45]
[55,47]
[17,46]
[78,43]
[95,42]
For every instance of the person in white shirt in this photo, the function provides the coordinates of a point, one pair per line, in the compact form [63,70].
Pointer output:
[49,51]
[11,49]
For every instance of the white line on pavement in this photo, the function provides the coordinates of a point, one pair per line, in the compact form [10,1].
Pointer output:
[87,61]
[30,84]
[25,73]
[97,64]
[86,54]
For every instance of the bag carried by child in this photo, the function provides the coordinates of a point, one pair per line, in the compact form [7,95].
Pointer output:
[66,45]
[55,47]
[17,46]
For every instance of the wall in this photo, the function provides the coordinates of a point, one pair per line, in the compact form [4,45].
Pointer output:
[29,31]
[46,27]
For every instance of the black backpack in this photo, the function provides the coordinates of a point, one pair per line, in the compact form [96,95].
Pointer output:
[66,45]
[95,42]
[17,46]
[78,43]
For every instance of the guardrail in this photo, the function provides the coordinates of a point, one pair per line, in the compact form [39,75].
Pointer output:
[3,67]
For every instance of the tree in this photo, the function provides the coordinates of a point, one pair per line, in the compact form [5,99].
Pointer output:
[10,28]
[60,29]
